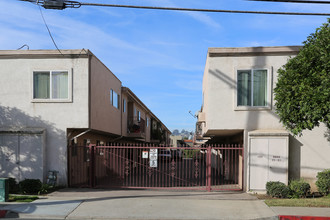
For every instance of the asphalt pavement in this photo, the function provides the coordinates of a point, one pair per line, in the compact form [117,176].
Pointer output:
[151,204]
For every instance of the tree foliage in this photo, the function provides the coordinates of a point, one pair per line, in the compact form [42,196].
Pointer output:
[302,92]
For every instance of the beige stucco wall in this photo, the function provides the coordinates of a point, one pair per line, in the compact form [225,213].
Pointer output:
[220,93]
[18,110]
[104,116]
[306,153]
[309,154]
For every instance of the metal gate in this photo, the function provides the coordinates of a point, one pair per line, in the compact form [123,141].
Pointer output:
[208,168]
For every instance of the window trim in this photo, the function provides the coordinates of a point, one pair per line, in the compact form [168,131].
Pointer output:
[138,115]
[52,100]
[269,90]
[112,101]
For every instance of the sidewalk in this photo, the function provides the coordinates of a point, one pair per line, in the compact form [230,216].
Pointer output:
[150,204]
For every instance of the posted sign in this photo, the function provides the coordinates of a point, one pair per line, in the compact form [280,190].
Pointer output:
[153,154]
[153,163]
[144,154]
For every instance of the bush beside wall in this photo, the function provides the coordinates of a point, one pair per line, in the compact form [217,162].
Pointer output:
[277,189]
[323,182]
[299,188]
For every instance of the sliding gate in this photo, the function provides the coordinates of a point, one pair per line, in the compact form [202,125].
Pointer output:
[195,168]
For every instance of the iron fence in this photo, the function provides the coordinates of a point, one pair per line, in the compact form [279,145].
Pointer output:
[217,167]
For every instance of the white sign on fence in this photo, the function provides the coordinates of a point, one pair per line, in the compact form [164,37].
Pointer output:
[153,154]
[145,154]
[153,163]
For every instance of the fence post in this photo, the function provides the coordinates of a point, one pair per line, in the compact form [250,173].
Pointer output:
[209,168]
[92,166]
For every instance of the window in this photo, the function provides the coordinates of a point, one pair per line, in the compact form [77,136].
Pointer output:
[124,105]
[253,88]
[147,119]
[138,115]
[114,99]
[51,85]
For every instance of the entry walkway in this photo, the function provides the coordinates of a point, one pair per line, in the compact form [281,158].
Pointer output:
[143,204]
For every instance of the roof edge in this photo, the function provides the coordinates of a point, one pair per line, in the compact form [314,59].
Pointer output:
[248,51]
[29,54]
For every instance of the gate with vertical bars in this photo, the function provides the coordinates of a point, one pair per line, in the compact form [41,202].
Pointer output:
[216,167]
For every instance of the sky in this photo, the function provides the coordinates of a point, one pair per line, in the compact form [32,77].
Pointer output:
[159,55]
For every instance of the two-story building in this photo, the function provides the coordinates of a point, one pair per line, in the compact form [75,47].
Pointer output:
[238,108]
[49,100]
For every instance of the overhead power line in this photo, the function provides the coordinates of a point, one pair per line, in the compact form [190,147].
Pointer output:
[293,1]
[50,34]
[205,10]
[61,4]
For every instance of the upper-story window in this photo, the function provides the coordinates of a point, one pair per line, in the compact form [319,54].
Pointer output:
[253,88]
[138,115]
[147,119]
[114,99]
[51,86]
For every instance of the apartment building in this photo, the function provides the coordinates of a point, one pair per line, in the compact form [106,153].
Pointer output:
[238,108]
[49,100]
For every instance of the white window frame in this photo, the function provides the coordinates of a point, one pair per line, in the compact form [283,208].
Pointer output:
[36,100]
[112,101]
[269,90]
[138,115]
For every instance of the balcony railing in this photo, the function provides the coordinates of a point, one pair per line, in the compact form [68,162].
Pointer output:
[136,127]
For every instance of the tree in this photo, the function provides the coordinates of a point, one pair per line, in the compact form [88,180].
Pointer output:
[175,132]
[302,92]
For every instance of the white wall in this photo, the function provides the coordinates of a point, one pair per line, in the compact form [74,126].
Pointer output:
[308,154]
[18,110]
[221,88]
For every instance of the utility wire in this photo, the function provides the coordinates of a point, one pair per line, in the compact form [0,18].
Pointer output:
[25,45]
[204,10]
[74,4]
[294,1]
[50,34]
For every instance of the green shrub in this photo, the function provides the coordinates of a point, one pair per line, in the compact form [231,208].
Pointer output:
[277,189]
[45,188]
[323,182]
[30,186]
[13,186]
[299,188]
[191,153]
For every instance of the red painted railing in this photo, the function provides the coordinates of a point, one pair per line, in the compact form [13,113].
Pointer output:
[138,166]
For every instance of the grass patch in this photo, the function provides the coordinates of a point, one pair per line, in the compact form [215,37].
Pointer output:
[19,198]
[307,202]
